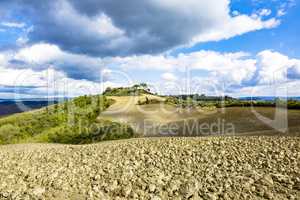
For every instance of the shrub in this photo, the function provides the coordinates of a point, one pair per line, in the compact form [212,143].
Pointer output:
[9,134]
[95,132]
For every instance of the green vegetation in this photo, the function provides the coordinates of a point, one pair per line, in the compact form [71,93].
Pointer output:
[147,101]
[76,121]
[72,122]
[189,102]
[135,90]
[290,104]
[229,102]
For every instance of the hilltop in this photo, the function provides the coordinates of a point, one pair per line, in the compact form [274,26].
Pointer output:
[135,90]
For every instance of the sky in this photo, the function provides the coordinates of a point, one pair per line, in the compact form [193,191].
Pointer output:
[217,47]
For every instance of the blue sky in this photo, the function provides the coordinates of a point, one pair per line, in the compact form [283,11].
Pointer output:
[72,47]
[284,38]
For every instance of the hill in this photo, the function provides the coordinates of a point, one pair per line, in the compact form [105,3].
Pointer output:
[144,117]
[127,112]
[72,122]
[218,167]
[151,115]
[8,107]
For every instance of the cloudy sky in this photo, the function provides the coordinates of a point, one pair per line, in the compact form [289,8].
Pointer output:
[75,47]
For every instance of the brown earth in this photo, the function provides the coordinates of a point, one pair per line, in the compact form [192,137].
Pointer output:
[167,120]
[154,168]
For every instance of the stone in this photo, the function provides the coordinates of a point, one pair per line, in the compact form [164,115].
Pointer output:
[38,191]
[267,180]
[152,188]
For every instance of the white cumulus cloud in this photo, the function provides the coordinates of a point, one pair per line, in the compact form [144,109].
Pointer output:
[168,77]
[126,28]
[13,24]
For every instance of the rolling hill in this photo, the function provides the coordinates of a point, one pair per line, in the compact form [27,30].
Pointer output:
[73,122]
[256,163]
[134,112]
[8,107]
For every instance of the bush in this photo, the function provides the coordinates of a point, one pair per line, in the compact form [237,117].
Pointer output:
[10,134]
[149,101]
[96,132]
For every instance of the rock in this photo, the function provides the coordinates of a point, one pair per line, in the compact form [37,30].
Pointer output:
[152,188]
[267,180]
[212,196]
[38,191]
[155,198]
[268,195]
[127,191]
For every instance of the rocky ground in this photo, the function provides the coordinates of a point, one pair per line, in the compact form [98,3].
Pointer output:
[154,168]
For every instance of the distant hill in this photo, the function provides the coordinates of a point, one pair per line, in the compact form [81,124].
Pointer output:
[267,98]
[8,107]
[202,97]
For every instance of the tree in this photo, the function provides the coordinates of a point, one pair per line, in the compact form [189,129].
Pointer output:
[55,108]
[144,86]
[136,86]
[98,106]
[108,90]
[98,102]
[66,108]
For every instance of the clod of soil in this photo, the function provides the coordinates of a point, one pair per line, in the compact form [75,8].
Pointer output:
[154,168]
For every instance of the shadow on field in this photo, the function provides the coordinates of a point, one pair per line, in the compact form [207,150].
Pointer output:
[229,121]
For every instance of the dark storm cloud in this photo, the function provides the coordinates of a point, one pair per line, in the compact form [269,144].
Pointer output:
[151,27]
[144,27]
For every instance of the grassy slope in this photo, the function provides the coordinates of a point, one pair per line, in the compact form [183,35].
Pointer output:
[70,122]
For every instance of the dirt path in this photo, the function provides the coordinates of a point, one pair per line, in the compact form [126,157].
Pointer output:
[154,168]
